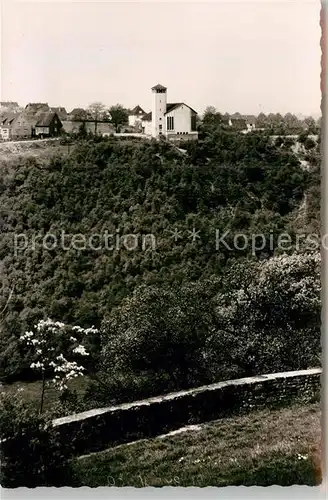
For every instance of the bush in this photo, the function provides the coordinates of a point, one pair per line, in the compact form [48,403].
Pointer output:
[269,314]
[161,330]
[309,143]
[31,455]
[112,389]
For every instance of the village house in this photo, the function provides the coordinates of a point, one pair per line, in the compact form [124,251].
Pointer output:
[250,122]
[48,125]
[135,116]
[172,120]
[36,120]
[6,122]
[240,124]
[22,126]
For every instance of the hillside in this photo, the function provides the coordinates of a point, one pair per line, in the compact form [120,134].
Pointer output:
[263,448]
[36,148]
[152,269]
[226,182]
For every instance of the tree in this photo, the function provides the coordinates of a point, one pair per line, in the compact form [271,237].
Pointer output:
[209,110]
[6,293]
[261,120]
[48,341]
[309,143]
[291,122]
[275,120]
[161,330]
[310,124]
[211,117]
[98,113]
[82,131]
[119,116]
[269,313]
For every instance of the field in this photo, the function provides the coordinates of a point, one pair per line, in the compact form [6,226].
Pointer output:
[262,448]
[31,391]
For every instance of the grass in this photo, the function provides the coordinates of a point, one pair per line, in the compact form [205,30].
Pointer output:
[31,391]
[34,148]
[262,448]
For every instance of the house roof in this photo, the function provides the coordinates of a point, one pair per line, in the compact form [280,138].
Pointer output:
[58,110]
[158,87]
[45,119]
[239,122]
[250,118]
[7,119]
[9,103]
[137,111]
[79,113]
[37,106]
[243,119]
[146,117]
[77,110]
[27,117]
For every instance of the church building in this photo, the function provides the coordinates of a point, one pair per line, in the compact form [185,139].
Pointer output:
[173,120]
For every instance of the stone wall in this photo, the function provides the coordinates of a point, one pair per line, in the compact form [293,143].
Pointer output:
[98,429]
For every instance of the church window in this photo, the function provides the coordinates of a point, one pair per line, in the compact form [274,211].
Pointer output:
[193,123]
[170,123]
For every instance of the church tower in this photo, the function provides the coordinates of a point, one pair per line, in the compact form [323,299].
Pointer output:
[158,110]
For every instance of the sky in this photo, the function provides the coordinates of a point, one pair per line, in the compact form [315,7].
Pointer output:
[245,56]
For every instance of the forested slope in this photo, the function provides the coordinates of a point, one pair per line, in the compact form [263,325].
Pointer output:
[226,182]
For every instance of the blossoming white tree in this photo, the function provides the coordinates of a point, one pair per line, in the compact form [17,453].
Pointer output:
[57,350]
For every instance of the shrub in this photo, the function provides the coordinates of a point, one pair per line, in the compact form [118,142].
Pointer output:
[161,330]
[31,455]
[309,143]
[269,314]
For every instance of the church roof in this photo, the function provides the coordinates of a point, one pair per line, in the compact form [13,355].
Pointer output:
[159,87]
[172,105]
[169,107]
